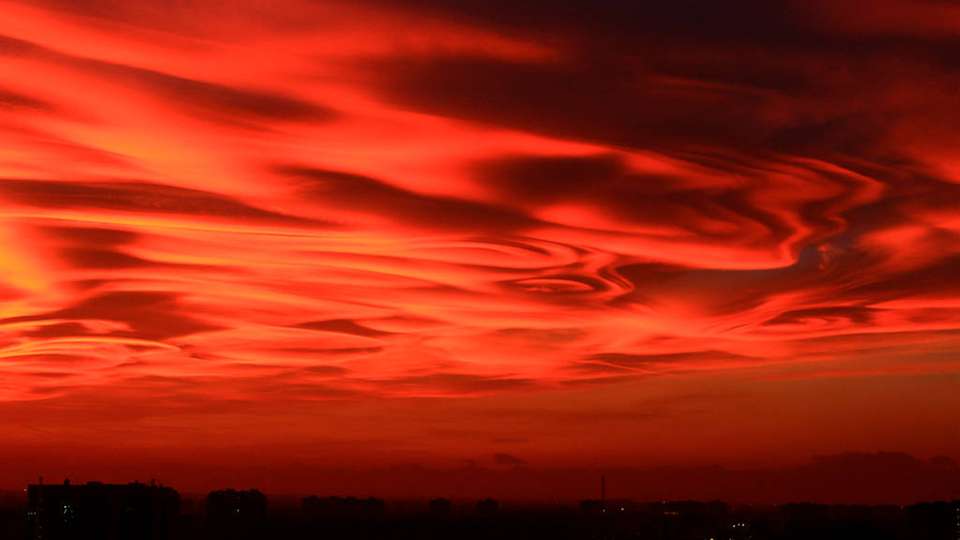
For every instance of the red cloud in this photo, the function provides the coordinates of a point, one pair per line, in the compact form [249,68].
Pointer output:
[320,205]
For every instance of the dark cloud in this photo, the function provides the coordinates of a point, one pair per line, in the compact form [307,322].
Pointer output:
[97,236]
[331,371]
[854,314]
[614,103]
[217,101]
[324,351]
[57,330]
[134,197]
[508,460]
[652,363]
[150,315]
[758,78]
[370,195]
[153,315]
[16,100]
[457,383]
[606,182]
[343,326]
[103,258]
[228,103]
[551,179]
[14,46]
[935,278]
[620,21]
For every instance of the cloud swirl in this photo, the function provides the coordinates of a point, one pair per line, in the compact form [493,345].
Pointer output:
[456,199]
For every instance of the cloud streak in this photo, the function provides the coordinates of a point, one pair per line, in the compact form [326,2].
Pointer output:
[332,207]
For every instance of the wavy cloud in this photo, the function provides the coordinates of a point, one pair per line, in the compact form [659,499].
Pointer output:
[332,206]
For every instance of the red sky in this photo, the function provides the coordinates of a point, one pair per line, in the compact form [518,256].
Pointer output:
[300,235]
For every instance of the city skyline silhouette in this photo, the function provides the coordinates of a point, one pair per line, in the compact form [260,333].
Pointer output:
[477,251]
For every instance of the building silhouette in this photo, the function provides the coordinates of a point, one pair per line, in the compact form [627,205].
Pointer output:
[101,511]
[440,507]
[488,507]
[935,520]
[342,508]
[137,511]
[236,514]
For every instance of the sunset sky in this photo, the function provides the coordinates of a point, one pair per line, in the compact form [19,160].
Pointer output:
[244,240]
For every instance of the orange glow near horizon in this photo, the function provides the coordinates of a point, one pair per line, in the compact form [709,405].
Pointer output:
[374,229]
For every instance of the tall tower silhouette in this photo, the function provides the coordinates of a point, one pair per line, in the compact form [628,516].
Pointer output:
[603,489]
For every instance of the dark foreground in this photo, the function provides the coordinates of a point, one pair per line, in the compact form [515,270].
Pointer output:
[150,512]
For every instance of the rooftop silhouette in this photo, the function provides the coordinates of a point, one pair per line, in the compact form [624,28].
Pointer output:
[100,511]
[137,511]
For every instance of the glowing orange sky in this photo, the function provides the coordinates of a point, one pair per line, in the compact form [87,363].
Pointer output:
[436,231]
